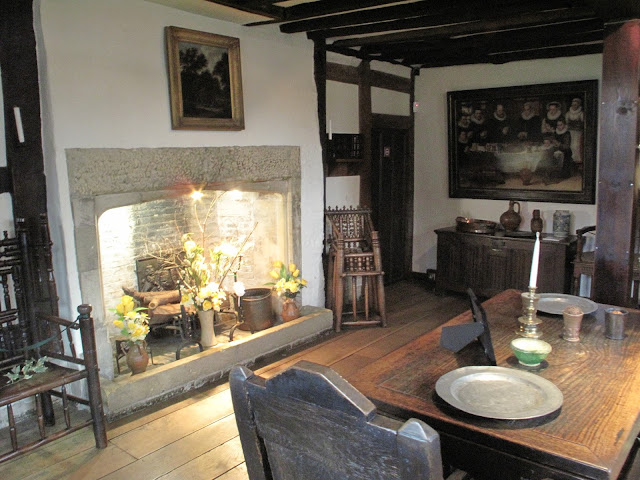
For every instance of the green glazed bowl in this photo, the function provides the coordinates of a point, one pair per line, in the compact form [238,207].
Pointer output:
[530,351]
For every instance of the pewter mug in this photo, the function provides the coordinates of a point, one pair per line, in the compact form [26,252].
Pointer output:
[614,323]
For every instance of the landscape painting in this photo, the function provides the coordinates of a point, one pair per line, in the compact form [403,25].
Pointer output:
[204,80]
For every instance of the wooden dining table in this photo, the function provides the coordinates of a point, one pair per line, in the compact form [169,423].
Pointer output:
[589,437]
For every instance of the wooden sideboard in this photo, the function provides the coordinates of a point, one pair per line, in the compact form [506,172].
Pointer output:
[490,264]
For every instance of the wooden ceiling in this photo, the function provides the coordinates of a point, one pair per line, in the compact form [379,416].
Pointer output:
[435,33]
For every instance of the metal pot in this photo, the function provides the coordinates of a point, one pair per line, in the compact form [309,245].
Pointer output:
[471,225]
[256,309]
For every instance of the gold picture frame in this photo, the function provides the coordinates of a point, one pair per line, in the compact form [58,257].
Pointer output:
[205,80]
[526,142]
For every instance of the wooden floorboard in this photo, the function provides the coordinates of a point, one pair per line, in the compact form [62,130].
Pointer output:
[194,436]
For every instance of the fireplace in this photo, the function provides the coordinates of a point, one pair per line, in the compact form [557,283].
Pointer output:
[118,194]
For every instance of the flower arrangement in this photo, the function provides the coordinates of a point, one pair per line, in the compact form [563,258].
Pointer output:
[288,281]
[203,280]
[131,320]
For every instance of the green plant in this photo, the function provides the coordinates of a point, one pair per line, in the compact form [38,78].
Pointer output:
[28,370]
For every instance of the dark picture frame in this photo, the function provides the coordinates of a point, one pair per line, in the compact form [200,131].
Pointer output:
[530,142]
[205,80]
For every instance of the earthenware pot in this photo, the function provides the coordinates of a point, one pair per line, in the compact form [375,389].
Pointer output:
[511,219]
[137,357]
[290,310]
[536,222]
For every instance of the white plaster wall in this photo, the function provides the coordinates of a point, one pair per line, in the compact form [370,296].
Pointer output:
[343,113]
[343,191]
[342,107]
[104,84]
[6,210]
[432,206]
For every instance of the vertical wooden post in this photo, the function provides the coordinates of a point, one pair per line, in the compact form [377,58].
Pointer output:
[617,186]
[20,88]
[364,107]
[320,77]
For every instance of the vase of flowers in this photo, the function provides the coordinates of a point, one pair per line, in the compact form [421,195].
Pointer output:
[203,283]
[288,284]
[133,325]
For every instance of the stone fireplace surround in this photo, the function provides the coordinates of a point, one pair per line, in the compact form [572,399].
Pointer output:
[104,178]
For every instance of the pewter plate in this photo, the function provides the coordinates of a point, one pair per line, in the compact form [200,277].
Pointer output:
[555,303]
[498,392]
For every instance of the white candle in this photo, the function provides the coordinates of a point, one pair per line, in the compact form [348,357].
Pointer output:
[18,117]
[533,279]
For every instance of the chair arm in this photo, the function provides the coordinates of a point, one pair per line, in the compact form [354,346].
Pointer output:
[583,230]
[60,321]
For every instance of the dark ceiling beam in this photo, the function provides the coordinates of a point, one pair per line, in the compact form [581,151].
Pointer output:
[314,9]
[403,17]
[351,52]
[505,57]
[266,9]
[327,7]
[611,10]
[534,37]
[470,28]
[552,52]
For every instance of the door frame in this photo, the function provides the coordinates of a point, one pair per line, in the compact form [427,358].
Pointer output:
[399,122]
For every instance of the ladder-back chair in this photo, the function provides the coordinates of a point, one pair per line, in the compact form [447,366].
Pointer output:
[309,423]
[354,259]
[28,335]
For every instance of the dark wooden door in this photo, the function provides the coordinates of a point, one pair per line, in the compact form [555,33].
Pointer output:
[391,208]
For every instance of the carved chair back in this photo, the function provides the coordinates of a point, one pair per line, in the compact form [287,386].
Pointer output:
[353,226]
[308,423]
[14,327]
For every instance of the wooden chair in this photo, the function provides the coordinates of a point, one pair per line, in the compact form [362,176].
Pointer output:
[26,334]
[309,423]
[354,258]
[584,264]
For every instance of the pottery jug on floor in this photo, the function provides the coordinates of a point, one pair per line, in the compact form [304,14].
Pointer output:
[511,219]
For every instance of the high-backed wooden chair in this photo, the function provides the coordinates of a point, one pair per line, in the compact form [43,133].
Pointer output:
[585,261]
[355,261]
[309,423]
[26,334]
[583,264]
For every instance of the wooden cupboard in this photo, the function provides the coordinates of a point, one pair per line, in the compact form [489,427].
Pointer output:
[489,264]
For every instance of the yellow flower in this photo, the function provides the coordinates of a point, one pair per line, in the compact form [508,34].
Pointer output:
[296,273]
[274,274]
[303,282]
[126,299]
[185,298]
[292,267]
[119,324]
[277,264]
[207,305]
[120,308]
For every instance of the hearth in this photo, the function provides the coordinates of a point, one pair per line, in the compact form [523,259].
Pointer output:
[102,181]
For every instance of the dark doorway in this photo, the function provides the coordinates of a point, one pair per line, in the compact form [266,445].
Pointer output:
[391,199]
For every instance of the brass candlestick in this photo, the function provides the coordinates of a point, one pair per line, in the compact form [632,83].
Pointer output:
[528,320]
